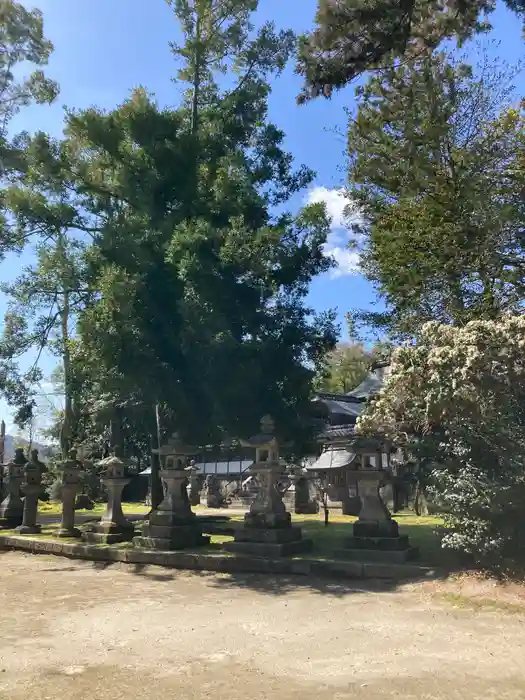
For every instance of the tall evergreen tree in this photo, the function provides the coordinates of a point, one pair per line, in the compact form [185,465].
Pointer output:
[22,41]
[202,287]
[355,36]
[44,299]
[437,165]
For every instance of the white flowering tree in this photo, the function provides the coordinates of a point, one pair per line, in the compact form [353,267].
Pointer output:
[456,399]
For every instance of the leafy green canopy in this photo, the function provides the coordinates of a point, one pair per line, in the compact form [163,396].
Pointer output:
[355,36]
[21,41]
[200,286]
[437,166]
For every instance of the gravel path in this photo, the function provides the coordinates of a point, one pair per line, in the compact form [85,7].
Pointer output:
[73,630]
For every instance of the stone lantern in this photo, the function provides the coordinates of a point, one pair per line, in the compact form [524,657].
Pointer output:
[268,527]
[12,507]
[303,504]
[195,484]
[375,534]
[113,526]
[71,469]
[31,487]
[374,517]
[173,525]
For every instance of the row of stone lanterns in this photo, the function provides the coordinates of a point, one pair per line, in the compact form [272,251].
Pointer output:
[267,529]
[23,477]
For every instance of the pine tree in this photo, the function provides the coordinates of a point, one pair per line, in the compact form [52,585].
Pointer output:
[201,286]
[21,41]
[355,36]
[437,165]
[45,298]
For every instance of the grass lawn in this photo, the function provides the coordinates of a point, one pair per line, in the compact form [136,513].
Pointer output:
[421,531]
[326,539]
[55,508]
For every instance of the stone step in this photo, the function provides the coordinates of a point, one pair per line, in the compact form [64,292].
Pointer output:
[267,549]
[382,543]
[378,555]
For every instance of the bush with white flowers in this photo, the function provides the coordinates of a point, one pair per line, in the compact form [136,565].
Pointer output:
[457,399]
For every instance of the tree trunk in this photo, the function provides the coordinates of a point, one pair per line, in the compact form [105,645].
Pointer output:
[156,490]
[326,512]
[196,75]
[67,423]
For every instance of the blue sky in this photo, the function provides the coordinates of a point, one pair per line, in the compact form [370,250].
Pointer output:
[104,48]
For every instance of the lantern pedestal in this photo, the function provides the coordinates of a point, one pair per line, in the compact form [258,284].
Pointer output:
[173,525]
[29,524]
[375,535]
[113,526]
[303,504]
[268,530]
[71,473]
[67,525]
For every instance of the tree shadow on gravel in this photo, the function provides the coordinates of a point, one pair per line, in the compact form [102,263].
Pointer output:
[283,584]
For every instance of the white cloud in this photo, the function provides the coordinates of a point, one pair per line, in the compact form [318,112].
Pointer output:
[339,209]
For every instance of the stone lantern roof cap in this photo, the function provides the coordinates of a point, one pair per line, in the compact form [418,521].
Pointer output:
[175,446]
[108,461]
[265,438]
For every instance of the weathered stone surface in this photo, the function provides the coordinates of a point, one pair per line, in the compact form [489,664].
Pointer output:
[113,526]
[173,525]
[396,556]
[267,520]
[71,472]
[96,537]
[179,538]
[376,529]
[12,507]
[276,536]
[216,562]
[380,543]
[267,549]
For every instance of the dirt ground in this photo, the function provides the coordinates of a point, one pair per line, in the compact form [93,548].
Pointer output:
[75,630]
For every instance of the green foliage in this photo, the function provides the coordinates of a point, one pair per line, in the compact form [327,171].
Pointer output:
[347,365]
[355,36]
[198,288]
[21,41]
[437,167]
[44,299]
[456,401]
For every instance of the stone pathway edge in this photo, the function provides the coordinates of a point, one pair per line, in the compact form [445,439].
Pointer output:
[217,562]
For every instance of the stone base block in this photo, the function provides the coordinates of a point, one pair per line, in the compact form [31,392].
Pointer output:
[263,521]
[381,543]
[376,528]
[269,549]
[29,529]
[310,508]
[72,532]
[166,539]
[166,518]
[108,534]
[265,536]
[8,522]
[390,556]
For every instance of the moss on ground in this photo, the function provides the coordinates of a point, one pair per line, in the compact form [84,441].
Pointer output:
[481,604]
[55,508]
